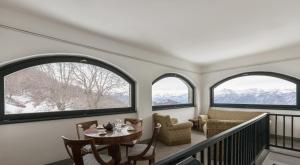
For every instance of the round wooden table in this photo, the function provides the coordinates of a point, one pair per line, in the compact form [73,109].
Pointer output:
[115,138]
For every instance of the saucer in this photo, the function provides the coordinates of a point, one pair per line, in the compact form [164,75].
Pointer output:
[102,133]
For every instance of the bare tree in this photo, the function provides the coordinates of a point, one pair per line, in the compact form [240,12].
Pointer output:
[96,82]
[57,87]
[65,86]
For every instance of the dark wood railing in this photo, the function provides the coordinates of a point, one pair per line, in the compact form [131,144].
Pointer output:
[239,145]
[284,137]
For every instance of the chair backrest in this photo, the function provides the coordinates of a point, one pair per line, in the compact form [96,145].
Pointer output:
[84,126]
[133,121]
[231,115]
[164,120]
[153,140]
[76,150]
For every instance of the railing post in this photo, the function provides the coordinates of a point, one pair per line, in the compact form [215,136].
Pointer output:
[268,131]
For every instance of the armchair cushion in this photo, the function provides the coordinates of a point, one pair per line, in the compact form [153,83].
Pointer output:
[185,125]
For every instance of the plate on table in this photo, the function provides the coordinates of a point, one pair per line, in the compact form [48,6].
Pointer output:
[102,133]
[130,128]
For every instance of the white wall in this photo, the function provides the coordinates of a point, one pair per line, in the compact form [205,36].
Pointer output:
[38,143]
[284,61]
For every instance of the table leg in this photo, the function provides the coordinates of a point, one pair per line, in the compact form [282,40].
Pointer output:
[114,151]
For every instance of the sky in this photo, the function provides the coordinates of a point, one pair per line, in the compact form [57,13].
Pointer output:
[169,85]
[255,81]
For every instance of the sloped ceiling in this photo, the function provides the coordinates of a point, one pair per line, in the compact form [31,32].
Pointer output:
[198,31]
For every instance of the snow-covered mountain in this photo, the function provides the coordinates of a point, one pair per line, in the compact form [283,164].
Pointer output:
[256,96]
[170,99]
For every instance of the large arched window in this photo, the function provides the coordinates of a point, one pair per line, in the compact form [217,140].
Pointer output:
[54,87]
[256,90]
[172,91]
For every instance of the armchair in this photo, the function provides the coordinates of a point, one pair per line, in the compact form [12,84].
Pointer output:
[172,132]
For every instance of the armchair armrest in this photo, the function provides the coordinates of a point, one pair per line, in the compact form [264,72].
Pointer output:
[202,119]
[185,125]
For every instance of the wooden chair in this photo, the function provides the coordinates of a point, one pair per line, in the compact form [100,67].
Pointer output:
[85,126]
[81,158]
[133,121]
[144,151]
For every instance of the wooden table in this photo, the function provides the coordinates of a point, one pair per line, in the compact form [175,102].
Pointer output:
[195,123]
[114,139]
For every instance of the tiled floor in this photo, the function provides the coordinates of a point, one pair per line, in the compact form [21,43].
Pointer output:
[274,158]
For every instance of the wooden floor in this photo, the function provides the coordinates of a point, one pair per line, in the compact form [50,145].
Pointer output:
[161,152]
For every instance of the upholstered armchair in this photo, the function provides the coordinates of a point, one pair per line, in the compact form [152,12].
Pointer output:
[172,132]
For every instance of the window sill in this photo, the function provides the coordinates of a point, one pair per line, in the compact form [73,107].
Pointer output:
[25,118]
[247,106]
[169,107]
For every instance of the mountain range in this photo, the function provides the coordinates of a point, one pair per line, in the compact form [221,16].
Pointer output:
[169,99]
[256,96]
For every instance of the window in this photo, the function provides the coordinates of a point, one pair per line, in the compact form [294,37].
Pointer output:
[172,91]
[61,87]
[256,90]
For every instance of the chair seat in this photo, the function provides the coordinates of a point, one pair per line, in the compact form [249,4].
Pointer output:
[138,149]
[89,159]
[88,148]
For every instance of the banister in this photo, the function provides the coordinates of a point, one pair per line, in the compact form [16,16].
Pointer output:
[193,150]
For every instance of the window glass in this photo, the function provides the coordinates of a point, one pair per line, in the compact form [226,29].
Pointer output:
[256,89]
[64,86]
[171,91]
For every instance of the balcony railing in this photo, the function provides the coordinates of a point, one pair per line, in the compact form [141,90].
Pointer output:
[241,144]
[282,131]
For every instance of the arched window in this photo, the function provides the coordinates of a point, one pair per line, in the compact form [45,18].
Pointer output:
[256,90]
[172,91]
[54,87]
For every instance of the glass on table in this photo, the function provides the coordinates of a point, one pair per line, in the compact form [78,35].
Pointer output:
[118,125]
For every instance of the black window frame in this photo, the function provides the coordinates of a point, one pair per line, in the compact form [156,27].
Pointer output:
[259,106]
[175,106]
[31,117]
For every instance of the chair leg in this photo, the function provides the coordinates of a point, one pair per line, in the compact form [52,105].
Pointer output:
[134,162]
[126,151]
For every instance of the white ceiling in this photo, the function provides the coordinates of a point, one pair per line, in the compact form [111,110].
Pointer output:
[196,30]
